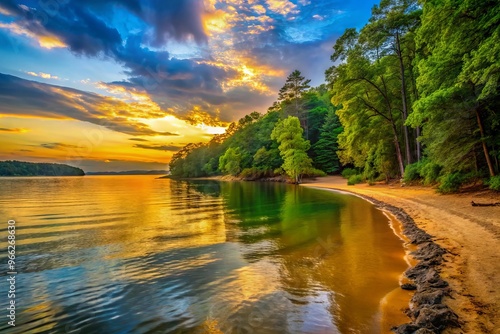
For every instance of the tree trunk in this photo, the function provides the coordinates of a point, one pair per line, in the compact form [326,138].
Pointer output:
[398,150]
[419,146]
[485,147]
[409,159]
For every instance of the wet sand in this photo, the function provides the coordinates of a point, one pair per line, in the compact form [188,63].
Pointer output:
[470,235]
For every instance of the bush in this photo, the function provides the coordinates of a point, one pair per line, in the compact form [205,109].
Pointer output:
[348,172]
[354,179]
[494,183]
[278,171]
[255,173]
[429,171]
[423,170]
[450,183]
[250,173]
[412,172]
[313,172]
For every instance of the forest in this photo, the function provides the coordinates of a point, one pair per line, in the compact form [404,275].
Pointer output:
[21,168]
[413,95]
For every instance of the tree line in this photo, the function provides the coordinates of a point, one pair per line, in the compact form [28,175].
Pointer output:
[21,168]
[293,138]
[413,95]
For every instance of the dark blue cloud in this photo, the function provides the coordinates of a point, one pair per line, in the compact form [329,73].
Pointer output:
[135,33]
[79,26]
[170,19]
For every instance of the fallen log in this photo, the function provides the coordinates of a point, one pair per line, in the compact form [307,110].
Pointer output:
[484,204]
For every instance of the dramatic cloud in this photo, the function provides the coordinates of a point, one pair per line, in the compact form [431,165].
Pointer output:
[29,98]
[156,68]
[253,45]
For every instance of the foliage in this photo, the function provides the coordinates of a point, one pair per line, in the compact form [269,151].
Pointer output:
[457,83]
[429,171]
[255,173]
[451,183]
[326,147]
[293,147]
[494,183]
[354,179]
[21,168]
[313,172]
[413,94]
[291,92]
[412,172]
[251,135]
[348,172]
[267,159]
[426,171]
[230,162]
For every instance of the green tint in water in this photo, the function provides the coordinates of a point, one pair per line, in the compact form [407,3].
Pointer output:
[140,255]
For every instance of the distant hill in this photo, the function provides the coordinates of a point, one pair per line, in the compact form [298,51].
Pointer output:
[131,172]
[21,168]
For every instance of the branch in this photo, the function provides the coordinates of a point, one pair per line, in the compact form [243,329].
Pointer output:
[375,109]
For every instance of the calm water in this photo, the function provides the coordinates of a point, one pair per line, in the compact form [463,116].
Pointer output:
[135,254]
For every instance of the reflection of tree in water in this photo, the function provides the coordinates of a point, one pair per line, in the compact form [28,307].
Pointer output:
[330,252]
[205,187]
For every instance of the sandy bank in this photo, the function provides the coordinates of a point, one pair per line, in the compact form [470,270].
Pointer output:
[470,235]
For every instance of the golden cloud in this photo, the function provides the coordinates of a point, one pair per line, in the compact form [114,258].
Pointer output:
[45,40]
[283,7]
[197,116]
[259,9]
[43,75]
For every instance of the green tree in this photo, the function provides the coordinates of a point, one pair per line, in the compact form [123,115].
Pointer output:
[230,162]
[290,97]
[326,147]
[368,91]
[267,159]
[293,147]
[458,83]
[390,33]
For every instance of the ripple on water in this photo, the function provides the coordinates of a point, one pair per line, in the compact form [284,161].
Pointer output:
[140,255]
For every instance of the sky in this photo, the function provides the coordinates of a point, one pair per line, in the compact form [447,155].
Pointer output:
[110,85]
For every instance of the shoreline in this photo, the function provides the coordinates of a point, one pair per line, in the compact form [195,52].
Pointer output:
[444,300]
[463,250]
[426,308]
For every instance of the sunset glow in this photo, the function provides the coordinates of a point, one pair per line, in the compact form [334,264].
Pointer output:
[125,84]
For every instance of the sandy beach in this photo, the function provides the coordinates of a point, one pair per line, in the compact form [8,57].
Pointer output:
[469,234]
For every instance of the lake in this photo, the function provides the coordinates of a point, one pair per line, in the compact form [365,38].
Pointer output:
[136,254]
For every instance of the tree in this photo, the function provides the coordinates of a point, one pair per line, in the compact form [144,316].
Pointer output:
[230,162]
[386,34]
[267,159]
[458,83]
[293,147]
[368,92]
[21,168]
[290,97]
[326,147]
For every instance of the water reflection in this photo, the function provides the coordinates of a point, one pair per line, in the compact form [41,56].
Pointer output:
[141,255]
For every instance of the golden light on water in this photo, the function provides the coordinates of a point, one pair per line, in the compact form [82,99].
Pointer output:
[298,259]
